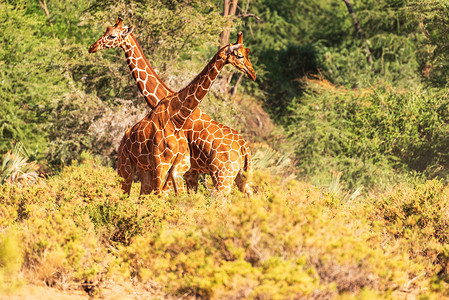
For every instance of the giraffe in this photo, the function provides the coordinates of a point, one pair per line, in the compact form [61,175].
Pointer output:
[216,149]
[158,143]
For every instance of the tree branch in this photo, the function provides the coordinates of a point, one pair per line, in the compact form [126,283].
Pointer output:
[249,15]
[43,5]
[359,31]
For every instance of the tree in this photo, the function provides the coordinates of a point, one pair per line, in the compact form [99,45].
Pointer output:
[229,9]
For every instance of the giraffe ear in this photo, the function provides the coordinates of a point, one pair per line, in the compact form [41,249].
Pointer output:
[233,48]
[126,31]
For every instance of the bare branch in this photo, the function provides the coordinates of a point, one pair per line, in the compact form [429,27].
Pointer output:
[247,6]
[43,5]
[359,31]
[249,15]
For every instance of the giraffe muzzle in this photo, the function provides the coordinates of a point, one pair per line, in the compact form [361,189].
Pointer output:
[251,74]
[93,48]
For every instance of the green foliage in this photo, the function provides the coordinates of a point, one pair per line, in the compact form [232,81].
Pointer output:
[291,44]
[30,75]
[433,21]
[373,137]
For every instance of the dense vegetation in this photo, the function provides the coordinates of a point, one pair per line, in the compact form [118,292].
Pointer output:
[319,112]
[77,231]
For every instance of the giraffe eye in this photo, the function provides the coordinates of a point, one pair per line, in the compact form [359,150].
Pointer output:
[240,56]
[111,37]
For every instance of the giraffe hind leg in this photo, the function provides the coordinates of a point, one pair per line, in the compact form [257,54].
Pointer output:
[146,182]
[243,178]
[169,184]
[180,166]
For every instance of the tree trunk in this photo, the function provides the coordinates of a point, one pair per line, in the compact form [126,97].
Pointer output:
[229,9]
[234,88]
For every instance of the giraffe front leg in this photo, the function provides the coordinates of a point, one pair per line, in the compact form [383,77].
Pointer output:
[146,182]
[180,166]
[223,177]
[169,186]
[221,183]
[160,178]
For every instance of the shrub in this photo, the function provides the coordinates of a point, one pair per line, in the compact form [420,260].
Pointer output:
[419,217]
[77,231]
[59,243]
[284,242]
[374,137]
[10,262]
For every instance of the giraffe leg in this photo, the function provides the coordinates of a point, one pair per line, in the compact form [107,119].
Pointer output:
[160,179]
[146,182]
[180,166]
[221,183]
[243,184]
[191,179]
[126,169]
[169,186]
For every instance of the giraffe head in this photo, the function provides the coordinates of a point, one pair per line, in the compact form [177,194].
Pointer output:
[237,55]
[114,37]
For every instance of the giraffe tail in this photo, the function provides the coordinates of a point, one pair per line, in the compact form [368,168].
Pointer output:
[246,174]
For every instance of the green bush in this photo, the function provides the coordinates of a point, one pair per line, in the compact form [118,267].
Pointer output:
[375,137]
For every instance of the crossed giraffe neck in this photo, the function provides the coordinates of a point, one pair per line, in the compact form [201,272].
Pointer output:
[188,99]
[148,82]
[153,89]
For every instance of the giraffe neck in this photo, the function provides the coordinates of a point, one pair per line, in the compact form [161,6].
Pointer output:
[190,97]
[148,82]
